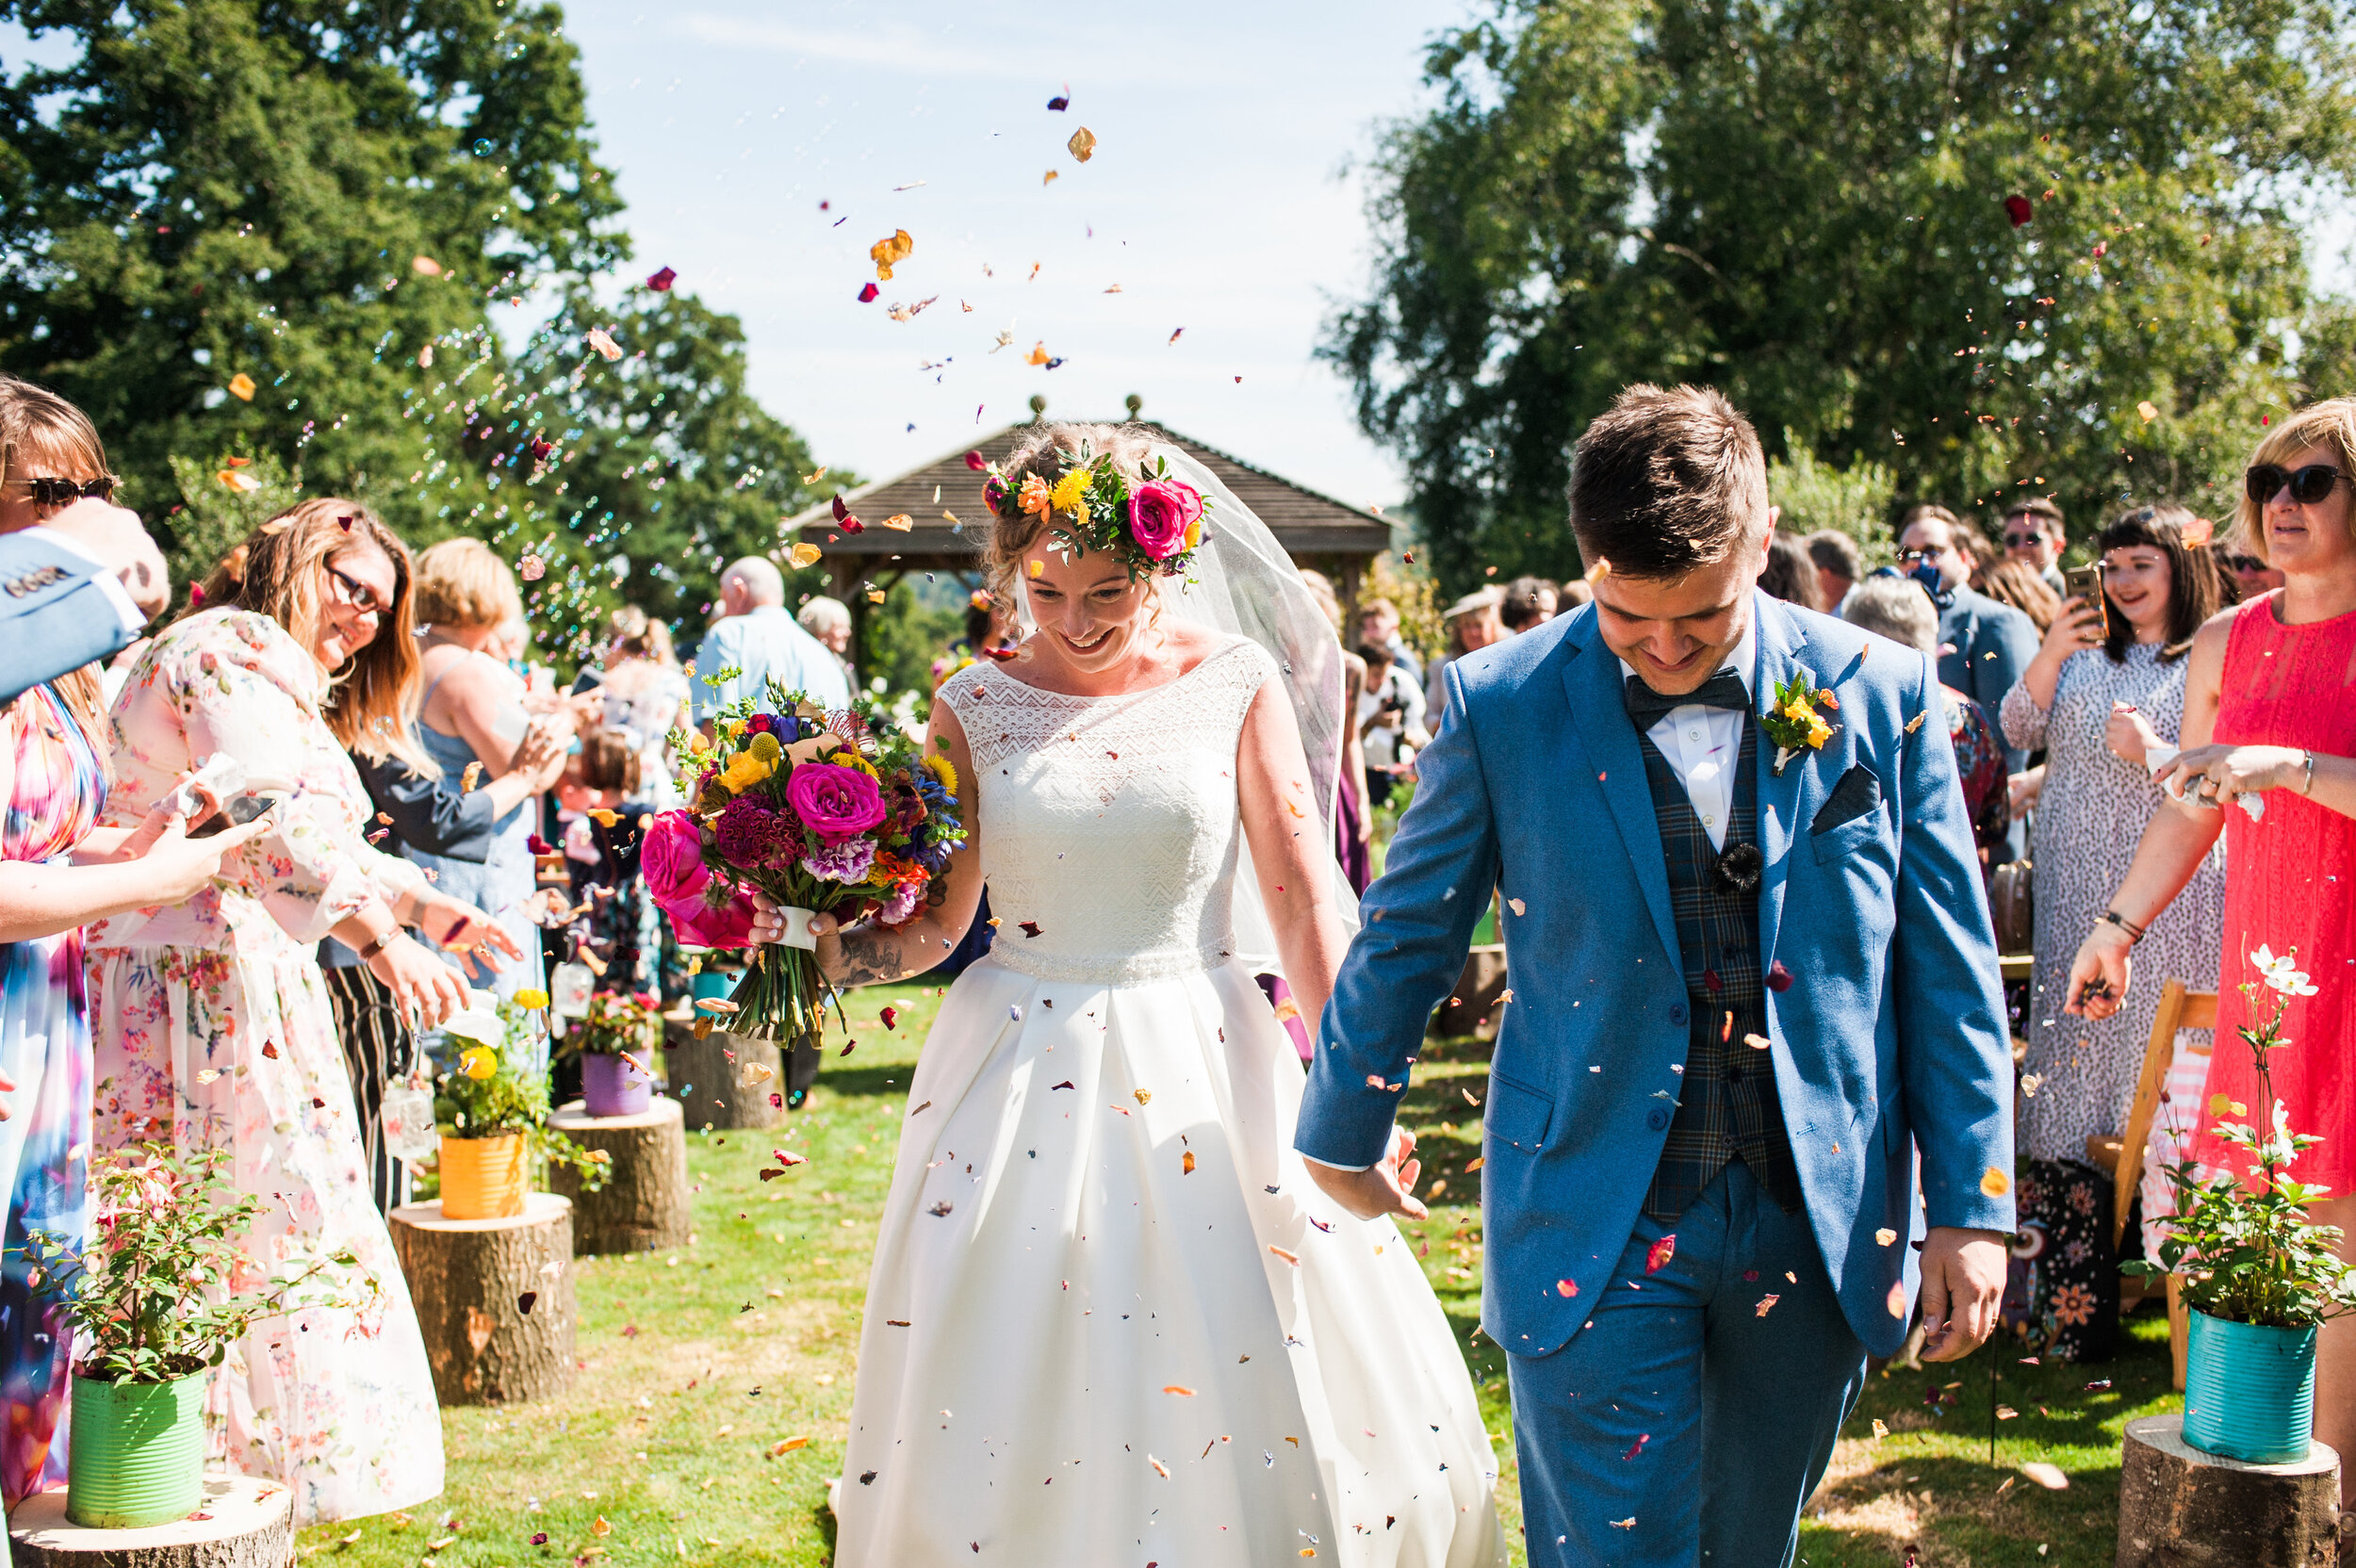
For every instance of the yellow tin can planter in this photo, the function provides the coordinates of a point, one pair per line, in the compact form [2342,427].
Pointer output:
[484,1178]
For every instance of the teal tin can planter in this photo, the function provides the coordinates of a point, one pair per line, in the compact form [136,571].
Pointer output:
[137,1454]
[2249,1389]
[715,984]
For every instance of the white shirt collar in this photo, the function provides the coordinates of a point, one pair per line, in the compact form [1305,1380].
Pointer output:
[1744,658]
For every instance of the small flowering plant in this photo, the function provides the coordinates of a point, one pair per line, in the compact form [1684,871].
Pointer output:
[818,811]
[2245,1250]
[1152,527]
[1793,721]
[160,1287]
[492,1093]
[619,1023]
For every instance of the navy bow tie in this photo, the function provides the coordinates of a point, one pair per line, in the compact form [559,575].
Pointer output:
[1647,707]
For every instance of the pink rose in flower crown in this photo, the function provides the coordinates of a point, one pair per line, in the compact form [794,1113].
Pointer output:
[834,802]
[1162,513]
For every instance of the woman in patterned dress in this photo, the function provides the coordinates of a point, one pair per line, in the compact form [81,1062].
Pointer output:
[53,774]
[211,1021]
[2271,713]
[2106,683]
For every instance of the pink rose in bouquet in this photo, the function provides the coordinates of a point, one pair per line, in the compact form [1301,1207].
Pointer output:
[671,859]
[1161,513]
[834,802]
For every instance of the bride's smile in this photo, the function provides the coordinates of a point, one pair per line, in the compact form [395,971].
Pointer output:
[1093,621]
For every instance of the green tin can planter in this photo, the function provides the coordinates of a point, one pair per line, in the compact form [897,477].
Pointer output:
[2249,1389]
[137,1454]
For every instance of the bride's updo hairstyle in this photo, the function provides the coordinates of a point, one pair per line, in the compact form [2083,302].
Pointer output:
[1042,454]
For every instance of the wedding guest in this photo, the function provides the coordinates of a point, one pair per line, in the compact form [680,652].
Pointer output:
[1390,719]
[210,1022]
[2108,683]
[1378,623]
[2014,583]
[759,641]
[2034,537]
[1530,601]
[2271,713]
[643,691]
[1839,565]
[1572,595]
[53,777]
[471,722]
[2252,574]
[1983,645]
[1790,574]
[1898,610]
[1470,624]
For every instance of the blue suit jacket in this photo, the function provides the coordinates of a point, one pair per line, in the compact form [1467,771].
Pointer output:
[1889,1035]
[54,617]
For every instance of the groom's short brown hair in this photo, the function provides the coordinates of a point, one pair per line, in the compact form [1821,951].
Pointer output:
[1665,480]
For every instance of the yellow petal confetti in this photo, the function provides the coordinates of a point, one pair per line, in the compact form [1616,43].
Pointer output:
[1038,566]
[600,1527]
[874,596]
[803,555]
[472,777]
[1597,572]
[425,267]
[891,249]
[1995,1183]
[603,817]
[786,1444]
[1884,1236]
[1052,177]
[1083,144]
[245,484]
[1880,1430]
[900,523]
[241,387]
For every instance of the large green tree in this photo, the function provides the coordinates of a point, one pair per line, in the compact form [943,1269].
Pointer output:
[1805,204]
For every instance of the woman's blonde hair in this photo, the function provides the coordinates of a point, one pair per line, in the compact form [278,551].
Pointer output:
[636,634]
[462,582]
[278,572]
[34,420]
[1041,452]
[2329,423]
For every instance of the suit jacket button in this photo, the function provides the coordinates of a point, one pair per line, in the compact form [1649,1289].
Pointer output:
[1656,1118]
[1677,1013]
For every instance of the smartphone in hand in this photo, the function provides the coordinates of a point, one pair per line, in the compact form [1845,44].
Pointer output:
[2085,582]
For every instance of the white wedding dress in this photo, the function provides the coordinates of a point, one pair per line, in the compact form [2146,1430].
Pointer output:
[1111,1320]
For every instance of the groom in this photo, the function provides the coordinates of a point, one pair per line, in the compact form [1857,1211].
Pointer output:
[1750,982]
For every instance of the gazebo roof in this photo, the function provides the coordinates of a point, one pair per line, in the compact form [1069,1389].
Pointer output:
[942,502]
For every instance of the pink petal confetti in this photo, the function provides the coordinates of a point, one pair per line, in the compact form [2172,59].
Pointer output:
[661,282]
[867,294]
[2018,209]
[532,568]
[1660,1253]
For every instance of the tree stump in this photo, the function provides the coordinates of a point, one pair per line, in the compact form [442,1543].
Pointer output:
[2180,1507]
[708,1077]
[244,1522]
[1472,1008]
[493,1299]
[643,1206]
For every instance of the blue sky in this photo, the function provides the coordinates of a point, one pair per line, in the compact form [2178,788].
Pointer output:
[1219,200]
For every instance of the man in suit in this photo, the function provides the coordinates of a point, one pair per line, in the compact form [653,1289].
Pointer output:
[1749,983]
[1983,645]
[76,586]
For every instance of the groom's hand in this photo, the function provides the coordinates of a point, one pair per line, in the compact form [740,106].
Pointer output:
[1963,1285]
[1380,1190]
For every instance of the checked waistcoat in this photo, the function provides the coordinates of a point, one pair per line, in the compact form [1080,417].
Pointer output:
[1726,1102]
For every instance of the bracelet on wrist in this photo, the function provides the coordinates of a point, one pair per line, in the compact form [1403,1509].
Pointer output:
[378,944]
[2112,917]
[2308,784]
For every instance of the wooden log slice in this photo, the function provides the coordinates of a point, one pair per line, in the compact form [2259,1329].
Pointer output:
[244,1522]
[709,1078]
[643,1206]
[493,1299]
[2180,1507]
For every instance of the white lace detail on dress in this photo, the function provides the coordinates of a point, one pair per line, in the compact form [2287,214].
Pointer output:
[1109,823]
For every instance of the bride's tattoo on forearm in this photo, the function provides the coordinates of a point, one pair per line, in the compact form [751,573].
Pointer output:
[868,956]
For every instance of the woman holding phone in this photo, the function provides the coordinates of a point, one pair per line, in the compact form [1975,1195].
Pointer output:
[210,1018]
[2108,682]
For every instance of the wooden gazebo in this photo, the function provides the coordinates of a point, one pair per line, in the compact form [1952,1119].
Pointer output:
[945,521]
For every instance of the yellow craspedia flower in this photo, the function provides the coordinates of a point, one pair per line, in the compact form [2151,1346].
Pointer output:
[478,1062]
[743,771]
[944,770]
[1070,492]
[531,999]
[765,746]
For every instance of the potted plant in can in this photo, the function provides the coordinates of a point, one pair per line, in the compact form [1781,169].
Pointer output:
[2259,1279]
[617,1038]
[492,1112]
[155,1294]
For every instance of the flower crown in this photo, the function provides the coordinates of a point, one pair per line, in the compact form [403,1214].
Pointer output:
[1152,527]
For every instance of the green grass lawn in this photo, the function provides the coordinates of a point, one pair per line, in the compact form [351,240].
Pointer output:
[699,1363]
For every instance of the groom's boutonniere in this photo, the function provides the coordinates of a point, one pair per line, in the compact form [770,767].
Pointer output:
[1793,722]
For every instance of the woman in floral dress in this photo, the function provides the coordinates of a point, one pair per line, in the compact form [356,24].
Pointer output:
[211,1021]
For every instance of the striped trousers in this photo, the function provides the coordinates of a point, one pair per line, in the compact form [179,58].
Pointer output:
[377,1046]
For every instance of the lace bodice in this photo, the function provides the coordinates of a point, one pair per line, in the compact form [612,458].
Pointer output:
[1109,823]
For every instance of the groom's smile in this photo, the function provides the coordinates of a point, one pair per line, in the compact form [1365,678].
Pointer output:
[1675,632]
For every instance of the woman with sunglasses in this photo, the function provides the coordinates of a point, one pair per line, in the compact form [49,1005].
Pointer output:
[212,1022]
[2270,722]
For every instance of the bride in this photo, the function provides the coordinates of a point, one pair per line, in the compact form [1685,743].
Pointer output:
[1111,1320]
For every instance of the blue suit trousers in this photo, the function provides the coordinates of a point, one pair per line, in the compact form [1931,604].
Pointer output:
[1692,1413]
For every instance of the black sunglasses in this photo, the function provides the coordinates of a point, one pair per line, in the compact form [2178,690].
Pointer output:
[48,490]
[2308,485]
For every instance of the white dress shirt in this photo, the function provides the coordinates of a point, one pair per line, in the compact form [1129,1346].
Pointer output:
[1703,743]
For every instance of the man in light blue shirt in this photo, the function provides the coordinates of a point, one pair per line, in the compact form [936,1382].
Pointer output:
[757,639]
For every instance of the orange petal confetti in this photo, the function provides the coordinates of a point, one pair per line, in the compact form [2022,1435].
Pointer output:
[472,777]
[1884,1236]
[603,817]
[1039,355]
[890,251]
[1180,1389]
[1185,1166]
[2149,412]
[1995,1183]
[1053,176]
[1083,144]
[1897,1302]
[1766,1303]
[1293,1258]
[2047,1475]
[2198,532]
[600,1527]
[1566,1287]
[603,342]
[1880,1430]
[900,524]
[1758,1042]
[1597,572]
[425,267]
[245,484]
[803,555]
[1159,1468]
[241,387]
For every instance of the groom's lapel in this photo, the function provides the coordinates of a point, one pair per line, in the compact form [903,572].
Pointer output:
[1600,728]
[1782,650]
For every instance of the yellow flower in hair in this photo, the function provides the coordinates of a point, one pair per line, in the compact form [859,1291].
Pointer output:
[1071,492]
[478,1062]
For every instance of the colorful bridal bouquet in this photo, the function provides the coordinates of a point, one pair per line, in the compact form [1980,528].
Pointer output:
[820,811]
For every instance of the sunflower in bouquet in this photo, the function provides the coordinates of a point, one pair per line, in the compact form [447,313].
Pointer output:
[841,813]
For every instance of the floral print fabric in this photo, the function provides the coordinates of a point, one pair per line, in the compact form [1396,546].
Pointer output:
[213,1028]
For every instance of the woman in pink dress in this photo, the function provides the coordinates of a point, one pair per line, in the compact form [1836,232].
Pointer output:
[2270,715]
